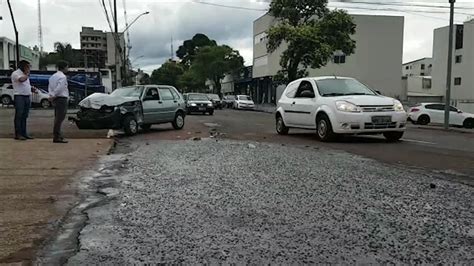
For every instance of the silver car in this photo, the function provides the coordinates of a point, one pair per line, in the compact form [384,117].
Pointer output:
[131,107]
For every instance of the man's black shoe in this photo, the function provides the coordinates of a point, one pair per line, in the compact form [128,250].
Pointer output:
[60,141]
[29,137]
[20,138]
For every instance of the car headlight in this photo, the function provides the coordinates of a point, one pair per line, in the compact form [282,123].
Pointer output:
[193,104]
[347,107]
[209,104]
[398,106]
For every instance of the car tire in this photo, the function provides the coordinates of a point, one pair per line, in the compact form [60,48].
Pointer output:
[178,122]
[468,123]
[6,100]
[393,136]
[130,125]
[324,128]
[45,103]
[423,120]
[145,127]
[281,128]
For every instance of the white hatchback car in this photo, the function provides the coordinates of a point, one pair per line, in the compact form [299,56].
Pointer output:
[339,105]
[426,113]
[243,102]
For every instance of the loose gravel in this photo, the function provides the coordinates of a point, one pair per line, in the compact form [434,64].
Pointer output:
[243,202]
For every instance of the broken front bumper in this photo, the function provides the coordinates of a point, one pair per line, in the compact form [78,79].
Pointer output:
[98,119]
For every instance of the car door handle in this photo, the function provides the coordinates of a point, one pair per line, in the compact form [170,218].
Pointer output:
[294,103]
[175,101]
[160,102]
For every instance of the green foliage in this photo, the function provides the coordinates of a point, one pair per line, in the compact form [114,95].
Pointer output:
[312,32]
[167,74]
[145,80]
[213,62]
[188,50]
[63,51]
[191,81]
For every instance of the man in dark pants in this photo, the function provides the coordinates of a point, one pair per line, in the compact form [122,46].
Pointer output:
[59,94]
[22,97]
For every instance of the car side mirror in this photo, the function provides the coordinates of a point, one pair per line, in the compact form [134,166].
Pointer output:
[307,94]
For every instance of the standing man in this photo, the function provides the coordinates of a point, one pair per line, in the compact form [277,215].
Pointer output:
[22,98]
[59,94]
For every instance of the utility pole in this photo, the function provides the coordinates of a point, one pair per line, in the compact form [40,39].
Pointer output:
[450,66]
[17,48]
[117,40]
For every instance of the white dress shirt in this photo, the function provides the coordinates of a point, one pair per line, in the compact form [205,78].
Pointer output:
[58,85]
[20,88]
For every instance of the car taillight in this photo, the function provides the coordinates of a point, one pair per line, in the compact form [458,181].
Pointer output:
[413,110]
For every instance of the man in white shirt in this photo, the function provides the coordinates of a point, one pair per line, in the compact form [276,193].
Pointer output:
[22,97]
[59,94]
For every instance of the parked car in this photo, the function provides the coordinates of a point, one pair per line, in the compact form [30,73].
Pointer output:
[243,102]
[339,105]
[131,107]
[216,101]
[40,97]
[426,113]
[229,101]
[198,103]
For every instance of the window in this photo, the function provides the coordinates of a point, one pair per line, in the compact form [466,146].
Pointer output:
[304,86]
[422,66]
[426,83]
[261,61]
[453,109]
[291,90]
[175,94]
[457,81]
[339,59]
[458,59]
[153,93]
[166,94]
[438,107]
[422,74]
[407,67]
[459,36]
[259,38]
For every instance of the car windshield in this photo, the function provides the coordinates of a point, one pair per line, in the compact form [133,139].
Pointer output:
[213,96]
[197,97]
[244,98]
[128,92]
[340,87]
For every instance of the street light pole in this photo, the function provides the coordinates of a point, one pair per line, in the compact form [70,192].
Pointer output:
[16,35]
[117,39]
[450,66]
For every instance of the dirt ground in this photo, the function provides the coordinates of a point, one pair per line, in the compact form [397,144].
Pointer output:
[36,191]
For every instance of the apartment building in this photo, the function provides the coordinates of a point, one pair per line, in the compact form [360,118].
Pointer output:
[420,67]
[8,54]
[462,83]
[377,60]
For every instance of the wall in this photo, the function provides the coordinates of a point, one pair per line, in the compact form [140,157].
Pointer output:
[377,60]
[8,54]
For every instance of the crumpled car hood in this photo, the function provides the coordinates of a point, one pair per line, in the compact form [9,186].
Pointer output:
[97,100]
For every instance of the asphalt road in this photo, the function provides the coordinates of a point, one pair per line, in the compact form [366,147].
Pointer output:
[448,152]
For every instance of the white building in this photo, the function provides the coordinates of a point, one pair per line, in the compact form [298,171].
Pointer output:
[420,67]
[8,54]
[377,60]
[462,83]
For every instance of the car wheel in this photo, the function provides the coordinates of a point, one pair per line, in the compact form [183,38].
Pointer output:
[6,100]
[45,103]
[468,123]
[393,136]
[423,120]
[146,127]
[178,122]
[281,128]
[324,128]
[130,125]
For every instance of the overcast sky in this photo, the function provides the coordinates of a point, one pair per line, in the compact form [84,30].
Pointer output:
[151,35]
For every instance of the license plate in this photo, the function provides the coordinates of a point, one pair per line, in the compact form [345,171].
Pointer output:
[381,119]
[202,109]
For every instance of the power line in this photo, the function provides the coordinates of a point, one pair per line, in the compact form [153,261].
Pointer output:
[402,10]
[403,4]
[229,6]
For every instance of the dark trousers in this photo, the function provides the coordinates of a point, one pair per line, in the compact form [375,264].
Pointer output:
[22,109]
[60,110]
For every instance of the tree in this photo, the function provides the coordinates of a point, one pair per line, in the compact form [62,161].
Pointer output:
[213,62]
[63,51]
[312,32]
[191,81]
[188,50]
[167,74]
[145,79]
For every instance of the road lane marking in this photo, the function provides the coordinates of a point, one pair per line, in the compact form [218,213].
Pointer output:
[419,141]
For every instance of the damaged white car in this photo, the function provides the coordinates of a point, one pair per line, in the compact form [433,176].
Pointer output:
[132,107]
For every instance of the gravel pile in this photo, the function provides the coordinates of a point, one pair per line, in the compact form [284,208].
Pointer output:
[231,202]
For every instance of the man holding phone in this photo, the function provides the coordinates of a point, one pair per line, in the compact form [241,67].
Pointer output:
[22,97]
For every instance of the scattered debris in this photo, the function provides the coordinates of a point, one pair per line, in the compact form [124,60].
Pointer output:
[147,143]
[196,138]
[54,168]
[251,146]
[432,185]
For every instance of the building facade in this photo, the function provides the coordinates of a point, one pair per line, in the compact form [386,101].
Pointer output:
[99,51]
[8,54]
[462,83]
[420,67]
[377,60]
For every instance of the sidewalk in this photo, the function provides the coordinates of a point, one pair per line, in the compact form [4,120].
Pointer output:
[441,127]
[36,189]
[266,108]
